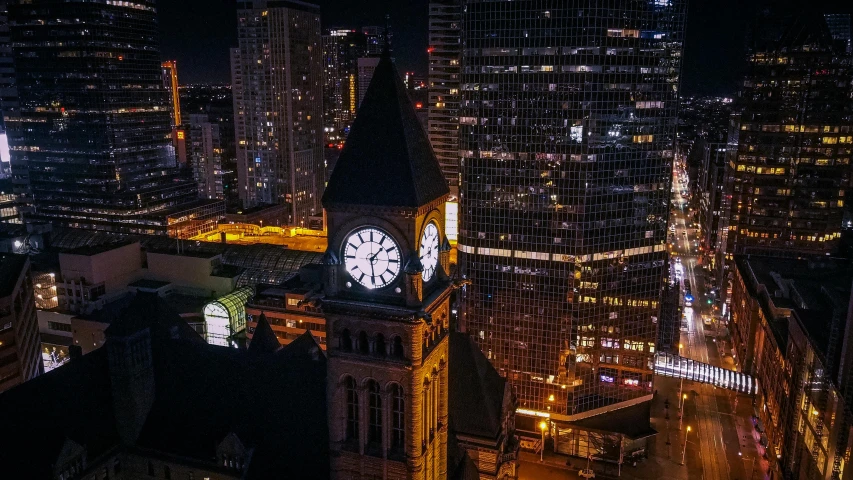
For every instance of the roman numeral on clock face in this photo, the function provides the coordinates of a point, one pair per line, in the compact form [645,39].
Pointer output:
[372,257]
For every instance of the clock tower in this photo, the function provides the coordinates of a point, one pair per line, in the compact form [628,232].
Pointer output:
[387,294]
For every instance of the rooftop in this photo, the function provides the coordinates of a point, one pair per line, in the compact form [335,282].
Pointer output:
[148,284]
[91,250]
[811,288]
[274,403]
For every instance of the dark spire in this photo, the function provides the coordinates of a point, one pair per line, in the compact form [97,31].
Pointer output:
[445,245]
[264,339]
[387,160]
[414,266]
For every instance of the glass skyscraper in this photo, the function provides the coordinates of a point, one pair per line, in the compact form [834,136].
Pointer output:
[94,128]
[791,140]
[567,125]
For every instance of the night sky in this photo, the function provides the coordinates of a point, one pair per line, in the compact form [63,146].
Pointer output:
[198,33]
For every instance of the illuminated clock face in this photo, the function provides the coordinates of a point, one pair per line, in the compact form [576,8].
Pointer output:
[372,257]
[429,250]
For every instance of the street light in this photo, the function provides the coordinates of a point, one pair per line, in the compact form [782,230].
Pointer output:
[542,427]
[681,411]
[684,451]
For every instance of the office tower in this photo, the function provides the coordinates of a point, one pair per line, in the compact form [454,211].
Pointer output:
[341,51]
[711,187]
[567,125]
[95,134]
[375,38]
[445,50]
[179,134]
[277,85]
[839,28]
[790,143]
[8,96]
[206,156]
[19,332]
[366,66]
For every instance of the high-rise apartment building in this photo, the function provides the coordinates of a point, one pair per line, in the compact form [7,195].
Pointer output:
[445,51]
[277,83]
[567,125]
[216,102]
[19,333]
[94,128]
[366,67]
[205,154]
[791,141]
[341,50]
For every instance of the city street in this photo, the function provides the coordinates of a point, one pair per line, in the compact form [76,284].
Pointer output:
[721,443]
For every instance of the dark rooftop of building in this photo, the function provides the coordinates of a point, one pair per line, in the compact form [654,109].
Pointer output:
[90,250]
[10,271]
[149,284]
[631,421]
[251,264]
[811,288]
[274,403]
[476,390]
[387,159]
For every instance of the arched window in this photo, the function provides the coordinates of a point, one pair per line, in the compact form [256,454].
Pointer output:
[425,404]
[352,408]
[397,347]
[398,418]
[379,345]
[346,340]
[363,344]
[374,429]
[436,399]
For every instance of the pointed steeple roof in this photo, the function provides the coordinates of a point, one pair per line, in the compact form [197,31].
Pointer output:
[264,339]
[387,160]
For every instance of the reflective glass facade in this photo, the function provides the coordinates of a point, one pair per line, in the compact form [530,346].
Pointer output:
[791,144]
[94,128]
[277,83]
[567,124]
